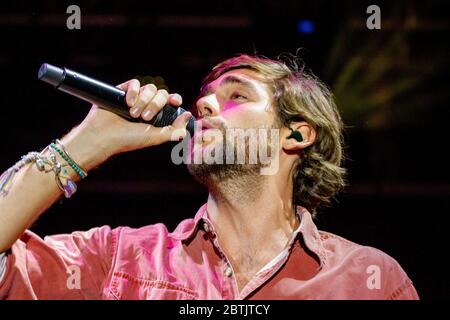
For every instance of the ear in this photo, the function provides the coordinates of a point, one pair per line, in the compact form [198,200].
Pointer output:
[306,130]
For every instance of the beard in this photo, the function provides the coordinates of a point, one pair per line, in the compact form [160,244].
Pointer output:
[241,173]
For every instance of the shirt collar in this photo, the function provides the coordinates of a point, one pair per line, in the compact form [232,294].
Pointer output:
[189,227]
[307,229]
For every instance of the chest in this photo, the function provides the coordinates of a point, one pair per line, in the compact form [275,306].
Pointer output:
[246,267]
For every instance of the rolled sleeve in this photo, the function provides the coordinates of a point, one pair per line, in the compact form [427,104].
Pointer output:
[67,266]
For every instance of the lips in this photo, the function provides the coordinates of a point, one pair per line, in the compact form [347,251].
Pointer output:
[209,123]
[204,124]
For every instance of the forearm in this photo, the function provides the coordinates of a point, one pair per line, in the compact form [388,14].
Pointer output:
[33,191]
[100,135]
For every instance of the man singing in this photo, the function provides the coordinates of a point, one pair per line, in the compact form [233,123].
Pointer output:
[254,238]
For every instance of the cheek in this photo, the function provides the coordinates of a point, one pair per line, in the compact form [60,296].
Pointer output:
[248,117]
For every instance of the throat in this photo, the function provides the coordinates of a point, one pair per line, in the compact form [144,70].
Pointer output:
[245,189]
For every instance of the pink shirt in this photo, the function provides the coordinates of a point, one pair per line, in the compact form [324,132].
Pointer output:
[188,263]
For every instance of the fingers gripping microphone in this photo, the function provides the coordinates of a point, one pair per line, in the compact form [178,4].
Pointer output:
[104,95]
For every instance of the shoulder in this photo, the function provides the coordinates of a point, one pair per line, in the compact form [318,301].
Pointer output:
[153,234]
[376,267]
[148,232]
[339,248]
[102,233]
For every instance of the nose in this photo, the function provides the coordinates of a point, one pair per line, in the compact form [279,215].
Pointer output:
[208,106]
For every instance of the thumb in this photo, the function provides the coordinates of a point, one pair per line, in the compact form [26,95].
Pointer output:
[179,130]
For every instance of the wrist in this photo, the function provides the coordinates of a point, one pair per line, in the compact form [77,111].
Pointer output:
[84,148]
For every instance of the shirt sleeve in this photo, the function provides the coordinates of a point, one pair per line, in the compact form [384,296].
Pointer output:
[66,266]
[400,286]
[380,276]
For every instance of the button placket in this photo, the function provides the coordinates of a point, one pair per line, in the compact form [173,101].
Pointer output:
[228,271]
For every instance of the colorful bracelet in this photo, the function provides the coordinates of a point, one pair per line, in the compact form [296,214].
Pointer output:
[7,177]
[62,152]
[62,177]
[44,164]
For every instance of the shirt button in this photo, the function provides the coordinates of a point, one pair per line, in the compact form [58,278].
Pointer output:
[206,227]
[228,272]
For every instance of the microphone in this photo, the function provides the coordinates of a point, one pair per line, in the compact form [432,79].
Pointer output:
[104,95]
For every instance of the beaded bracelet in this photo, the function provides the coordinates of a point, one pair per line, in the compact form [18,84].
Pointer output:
[44,164]
[62,177]
[62,152]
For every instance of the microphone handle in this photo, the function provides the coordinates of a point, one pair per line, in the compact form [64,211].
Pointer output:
[104,95]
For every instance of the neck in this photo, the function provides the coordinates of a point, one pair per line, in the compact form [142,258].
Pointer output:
[253,217]
[253,213]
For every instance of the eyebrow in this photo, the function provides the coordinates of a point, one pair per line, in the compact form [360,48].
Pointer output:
[230,80]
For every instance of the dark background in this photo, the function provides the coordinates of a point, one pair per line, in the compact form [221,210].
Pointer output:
[391,86]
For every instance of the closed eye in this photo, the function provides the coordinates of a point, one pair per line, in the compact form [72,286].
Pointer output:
[237,96]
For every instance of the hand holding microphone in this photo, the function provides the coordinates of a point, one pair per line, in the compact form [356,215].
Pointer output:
[122,119]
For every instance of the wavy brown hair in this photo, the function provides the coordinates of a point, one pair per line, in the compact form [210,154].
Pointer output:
[300,96]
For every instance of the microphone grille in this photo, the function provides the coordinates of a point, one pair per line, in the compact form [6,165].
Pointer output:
[51,74]
[167,116]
